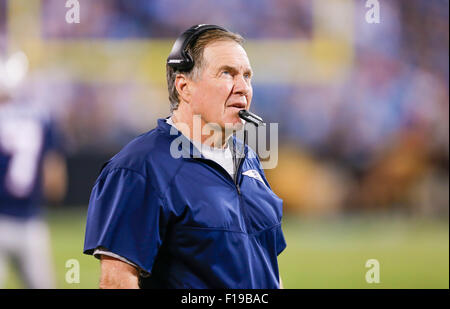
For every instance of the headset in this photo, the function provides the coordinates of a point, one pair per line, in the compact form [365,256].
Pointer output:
[179,59]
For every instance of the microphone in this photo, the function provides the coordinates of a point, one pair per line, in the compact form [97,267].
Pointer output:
[250,117]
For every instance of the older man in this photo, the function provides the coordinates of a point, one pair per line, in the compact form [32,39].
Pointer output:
[203,219]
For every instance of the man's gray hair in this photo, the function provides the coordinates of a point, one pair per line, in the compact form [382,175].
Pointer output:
[195,49]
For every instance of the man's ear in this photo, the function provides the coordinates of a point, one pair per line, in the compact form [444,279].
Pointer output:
[182,86]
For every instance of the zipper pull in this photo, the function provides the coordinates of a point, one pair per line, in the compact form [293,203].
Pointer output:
[238,189]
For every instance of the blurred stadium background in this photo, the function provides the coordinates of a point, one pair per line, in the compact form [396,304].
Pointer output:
[363,113]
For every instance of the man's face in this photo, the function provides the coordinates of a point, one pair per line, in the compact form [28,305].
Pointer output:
[223,86]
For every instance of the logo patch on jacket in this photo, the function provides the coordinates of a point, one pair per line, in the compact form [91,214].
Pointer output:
[254,174]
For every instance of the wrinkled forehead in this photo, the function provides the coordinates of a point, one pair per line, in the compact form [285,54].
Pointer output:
[226,53]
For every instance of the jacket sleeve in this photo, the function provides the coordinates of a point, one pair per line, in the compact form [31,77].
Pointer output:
[126,217]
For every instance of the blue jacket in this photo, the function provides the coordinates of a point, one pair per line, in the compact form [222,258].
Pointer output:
[185,221]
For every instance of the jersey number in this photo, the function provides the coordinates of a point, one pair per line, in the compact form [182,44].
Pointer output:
[22,140]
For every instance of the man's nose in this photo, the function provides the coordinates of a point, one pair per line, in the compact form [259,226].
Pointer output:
[241,85]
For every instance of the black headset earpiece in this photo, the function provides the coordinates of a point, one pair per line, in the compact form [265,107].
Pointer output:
[178,58]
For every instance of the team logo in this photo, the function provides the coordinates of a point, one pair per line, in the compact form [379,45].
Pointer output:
[254,174]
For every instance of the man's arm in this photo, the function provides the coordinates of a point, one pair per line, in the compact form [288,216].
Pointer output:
[116,274]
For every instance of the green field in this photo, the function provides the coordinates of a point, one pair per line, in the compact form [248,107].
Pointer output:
[321,253]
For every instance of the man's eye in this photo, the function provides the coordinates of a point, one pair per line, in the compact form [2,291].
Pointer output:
[226,72]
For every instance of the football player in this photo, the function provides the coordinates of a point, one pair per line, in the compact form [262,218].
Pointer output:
[30,166]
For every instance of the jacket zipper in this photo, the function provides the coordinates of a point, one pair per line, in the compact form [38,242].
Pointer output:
[241,160]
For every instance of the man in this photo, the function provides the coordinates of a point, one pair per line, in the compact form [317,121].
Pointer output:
[30,166]
[202,219]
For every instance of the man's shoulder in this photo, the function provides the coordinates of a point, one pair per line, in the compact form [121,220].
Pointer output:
[144,155]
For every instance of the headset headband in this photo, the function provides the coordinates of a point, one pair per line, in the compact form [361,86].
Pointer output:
[178,58]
